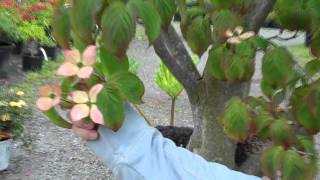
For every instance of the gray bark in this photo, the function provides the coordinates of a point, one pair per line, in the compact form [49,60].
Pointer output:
[215,145]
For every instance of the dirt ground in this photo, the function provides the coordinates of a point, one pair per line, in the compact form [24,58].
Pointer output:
[56,154]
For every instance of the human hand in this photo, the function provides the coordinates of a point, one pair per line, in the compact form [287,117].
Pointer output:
[85,131]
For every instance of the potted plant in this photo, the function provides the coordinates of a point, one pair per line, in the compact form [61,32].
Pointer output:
[12,113]
[32,34]
[168,84]
[8,35]
[33,29]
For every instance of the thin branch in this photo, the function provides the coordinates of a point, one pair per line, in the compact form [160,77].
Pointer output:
[258,13]
[302,153]
[174,55]
[141,112]
[173,104]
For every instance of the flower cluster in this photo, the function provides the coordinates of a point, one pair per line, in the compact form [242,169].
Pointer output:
[237,35]
[13,110]
[81,100]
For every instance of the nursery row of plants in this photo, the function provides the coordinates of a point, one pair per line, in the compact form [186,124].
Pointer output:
[25,29]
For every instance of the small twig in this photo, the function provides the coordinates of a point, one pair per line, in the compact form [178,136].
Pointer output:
[173,103]
[141,112]
[302,153]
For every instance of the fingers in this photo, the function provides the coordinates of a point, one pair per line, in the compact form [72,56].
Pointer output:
[84,130]
[81,124]
[85,133]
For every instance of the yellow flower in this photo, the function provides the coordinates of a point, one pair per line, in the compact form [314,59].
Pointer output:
[15,104]
[22,102]
[20,93]
[5,117]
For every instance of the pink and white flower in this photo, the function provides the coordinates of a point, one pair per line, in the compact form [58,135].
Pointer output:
[85,105]
[49,96]
[78,65]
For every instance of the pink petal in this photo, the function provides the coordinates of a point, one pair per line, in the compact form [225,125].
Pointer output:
[45,91]
[56,101]
[85,72]
[247,35]
[79,111]
[79,97]
[95,115]
[94,91]
[89,55]
[68,69]
[234,40]
[44,103]
[73,56]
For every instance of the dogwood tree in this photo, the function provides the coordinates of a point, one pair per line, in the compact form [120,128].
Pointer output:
[288,114]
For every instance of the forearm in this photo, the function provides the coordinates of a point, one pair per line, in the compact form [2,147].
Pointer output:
[138,151]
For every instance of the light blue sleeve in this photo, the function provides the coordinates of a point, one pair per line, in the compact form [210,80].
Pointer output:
[139,152]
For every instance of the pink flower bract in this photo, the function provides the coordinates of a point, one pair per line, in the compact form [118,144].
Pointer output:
[77,65]
[85,105]
[49,96]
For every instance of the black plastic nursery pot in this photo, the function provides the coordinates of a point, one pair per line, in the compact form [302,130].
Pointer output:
[6,49]
[18,49]
[32,62]
[179,135]
[51,52]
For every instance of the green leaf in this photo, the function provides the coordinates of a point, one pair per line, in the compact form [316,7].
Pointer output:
[118,28]
[229,4]
[260,42]
[236,120]
[271,161]
[111,105]
[61,26]
[150,17]
[56,119]
[281,132]
[111,64]
[266,88]
[308,146]
[285,10]
[223,20]
[277,66]
[239,68]
[294,166]
[263,122]
[166,10]
[302,113]
[167,82]
[215,60]
[198,35]
[82,16]
[129,85]
[313,67]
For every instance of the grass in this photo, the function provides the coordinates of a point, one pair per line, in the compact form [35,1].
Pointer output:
[301,53]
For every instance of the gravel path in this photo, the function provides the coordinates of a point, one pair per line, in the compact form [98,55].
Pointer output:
[55,154]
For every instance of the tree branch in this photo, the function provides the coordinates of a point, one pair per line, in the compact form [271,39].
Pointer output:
[259,12]
[175,56]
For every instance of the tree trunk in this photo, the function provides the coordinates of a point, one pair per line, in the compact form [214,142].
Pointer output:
[212,98]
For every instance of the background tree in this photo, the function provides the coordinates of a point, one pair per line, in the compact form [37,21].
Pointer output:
[223,114]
